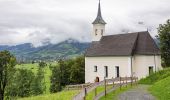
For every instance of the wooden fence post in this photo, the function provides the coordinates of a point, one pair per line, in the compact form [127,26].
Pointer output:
[105,87]
[120,83]
[113,81]
[135,80]
[95,91]
[131,80]
[126,81]
[85,93]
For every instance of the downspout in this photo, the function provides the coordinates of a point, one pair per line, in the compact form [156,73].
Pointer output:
[155,62]
[154,59]
[131,66]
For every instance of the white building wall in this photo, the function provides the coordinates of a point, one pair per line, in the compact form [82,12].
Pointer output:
[111,62]
[141,65]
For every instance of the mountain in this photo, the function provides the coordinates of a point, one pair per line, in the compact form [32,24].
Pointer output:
[66,49]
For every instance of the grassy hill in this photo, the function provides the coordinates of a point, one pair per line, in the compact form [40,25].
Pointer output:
[160,84]
[155,77]
[161,89]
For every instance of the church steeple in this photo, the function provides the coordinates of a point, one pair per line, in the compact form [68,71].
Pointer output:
[99,19]
[98,26]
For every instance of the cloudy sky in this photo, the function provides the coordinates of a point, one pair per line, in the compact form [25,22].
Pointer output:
[39,21]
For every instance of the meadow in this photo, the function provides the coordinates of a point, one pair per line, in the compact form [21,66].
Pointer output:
[63,95]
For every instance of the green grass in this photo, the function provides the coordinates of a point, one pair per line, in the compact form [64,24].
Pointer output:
[34,68]
[161,89]
[160,82]
[64,95]
[114,95]
[100,89]
[155,77]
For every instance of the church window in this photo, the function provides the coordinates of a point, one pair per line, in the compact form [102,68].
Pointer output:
[96,32]
[117,71]
[95,68]
[102,32]
[106,71]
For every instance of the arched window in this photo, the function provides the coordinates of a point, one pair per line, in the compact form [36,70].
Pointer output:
[96,32]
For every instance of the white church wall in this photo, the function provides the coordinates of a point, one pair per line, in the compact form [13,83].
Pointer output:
[141,64]
[111,62]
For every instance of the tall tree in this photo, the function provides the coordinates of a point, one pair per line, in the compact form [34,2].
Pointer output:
[55,80]
[39,82]
[164,36]
[77,71]
[7,63]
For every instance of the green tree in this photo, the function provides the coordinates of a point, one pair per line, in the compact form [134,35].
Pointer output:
[67,72]
[22,84]
[42,64]
[77,71]
[164,36]
[7,63]
[55,80]
[38,86]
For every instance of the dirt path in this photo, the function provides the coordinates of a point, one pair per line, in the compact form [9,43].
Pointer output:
[138,93]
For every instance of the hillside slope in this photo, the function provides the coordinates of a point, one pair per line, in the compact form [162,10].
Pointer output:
[66,49]
[155,77]
[161,89]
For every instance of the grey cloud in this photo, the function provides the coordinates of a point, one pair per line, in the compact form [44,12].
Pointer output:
[39,21]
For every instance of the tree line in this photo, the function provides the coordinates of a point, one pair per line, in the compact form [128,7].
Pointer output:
[67,72]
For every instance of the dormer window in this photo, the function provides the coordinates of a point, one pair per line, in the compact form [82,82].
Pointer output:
[96,32]
[102,32]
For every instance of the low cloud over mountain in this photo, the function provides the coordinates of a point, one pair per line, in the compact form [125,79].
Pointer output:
[39,21]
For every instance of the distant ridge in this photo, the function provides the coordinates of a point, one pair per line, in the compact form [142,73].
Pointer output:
[49,52]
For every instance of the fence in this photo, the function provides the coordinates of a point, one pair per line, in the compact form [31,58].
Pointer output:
[77,87]
[114,83]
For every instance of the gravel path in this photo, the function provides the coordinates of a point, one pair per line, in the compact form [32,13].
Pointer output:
[138,93]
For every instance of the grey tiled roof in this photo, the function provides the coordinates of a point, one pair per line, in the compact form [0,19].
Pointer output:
[124,45]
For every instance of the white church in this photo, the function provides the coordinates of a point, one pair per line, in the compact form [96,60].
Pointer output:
[121,55]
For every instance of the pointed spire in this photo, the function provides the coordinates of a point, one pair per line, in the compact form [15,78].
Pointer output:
[99,19]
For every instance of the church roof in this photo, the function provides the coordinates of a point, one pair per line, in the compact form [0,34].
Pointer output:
[124,45]
[99,19]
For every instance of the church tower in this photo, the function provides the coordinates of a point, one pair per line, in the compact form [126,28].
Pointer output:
[98,26]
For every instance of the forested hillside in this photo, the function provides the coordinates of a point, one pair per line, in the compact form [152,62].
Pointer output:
[66,49]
